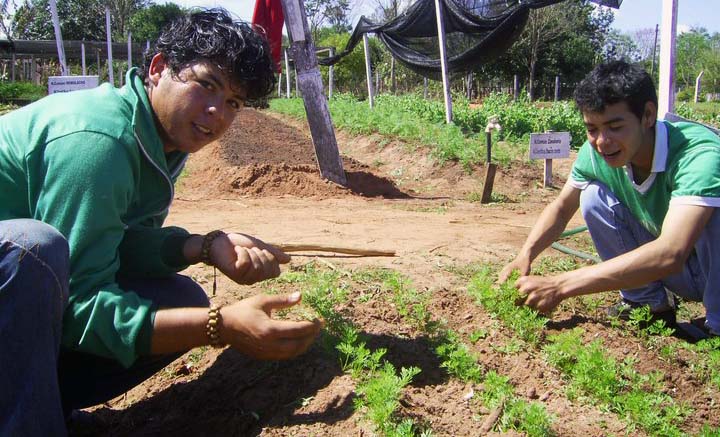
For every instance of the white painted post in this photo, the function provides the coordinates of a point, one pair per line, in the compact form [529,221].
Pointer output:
[129,42]
[516,87]
[111,75]
[280,77]
[368,71]
[666,98]
[58,38]
[697,86]
[443,62]
[331,76]
[287,75]
[82,58]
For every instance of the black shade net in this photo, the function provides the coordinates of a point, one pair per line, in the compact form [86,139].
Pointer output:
[476,31]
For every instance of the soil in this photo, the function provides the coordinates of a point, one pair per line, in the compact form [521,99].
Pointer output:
[261,179]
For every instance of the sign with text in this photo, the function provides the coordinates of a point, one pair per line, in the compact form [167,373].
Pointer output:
[552,145]
[64,84]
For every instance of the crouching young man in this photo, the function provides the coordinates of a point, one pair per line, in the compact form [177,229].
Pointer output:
[90,301]
[648,191]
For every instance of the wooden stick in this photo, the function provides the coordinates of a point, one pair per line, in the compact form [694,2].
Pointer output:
[320,248]
[489,422]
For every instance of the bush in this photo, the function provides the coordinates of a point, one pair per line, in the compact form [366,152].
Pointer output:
[10,91]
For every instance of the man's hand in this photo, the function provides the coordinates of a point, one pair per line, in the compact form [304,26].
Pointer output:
[541,293]
[248,327]
[245,259]
[520,264]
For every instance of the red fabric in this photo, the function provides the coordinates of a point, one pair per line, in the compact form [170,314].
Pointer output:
[269,15]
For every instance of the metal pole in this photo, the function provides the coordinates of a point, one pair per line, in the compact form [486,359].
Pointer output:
[697,86]
[443,62]
[287,75]
[111,76]
[58,38]
[666,96]
[280,76]
[331,76]
[82,58]
[368,71]
[129,42]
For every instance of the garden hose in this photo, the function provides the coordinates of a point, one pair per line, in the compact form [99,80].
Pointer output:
[573,252]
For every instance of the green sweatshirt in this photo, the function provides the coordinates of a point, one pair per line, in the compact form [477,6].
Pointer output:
[91,164]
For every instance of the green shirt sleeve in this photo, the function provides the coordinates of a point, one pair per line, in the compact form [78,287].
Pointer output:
[82,185]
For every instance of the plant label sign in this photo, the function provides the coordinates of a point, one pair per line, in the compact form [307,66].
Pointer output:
[552,145]
[64,84]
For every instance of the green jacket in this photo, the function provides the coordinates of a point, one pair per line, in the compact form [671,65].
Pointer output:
[91,164]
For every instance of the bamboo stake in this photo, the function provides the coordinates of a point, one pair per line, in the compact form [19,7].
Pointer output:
[320,248]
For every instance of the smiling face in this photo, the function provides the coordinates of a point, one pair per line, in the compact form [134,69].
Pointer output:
[620,137]
[193,107]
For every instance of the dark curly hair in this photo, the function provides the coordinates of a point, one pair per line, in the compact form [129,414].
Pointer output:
[616,82]
[238,48]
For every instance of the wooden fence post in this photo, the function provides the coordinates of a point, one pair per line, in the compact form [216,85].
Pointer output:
[368,71]
[310,82]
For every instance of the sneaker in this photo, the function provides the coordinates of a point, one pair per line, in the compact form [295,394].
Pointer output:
[623,308]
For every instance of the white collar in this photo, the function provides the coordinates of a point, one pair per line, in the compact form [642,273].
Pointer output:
[660,154]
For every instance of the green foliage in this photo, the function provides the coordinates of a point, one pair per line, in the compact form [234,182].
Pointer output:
[617,385]
[422,122]
[501,302]
[148,23]
[705,112]
[21,90]
[707,361]
[529,418]
[457,358]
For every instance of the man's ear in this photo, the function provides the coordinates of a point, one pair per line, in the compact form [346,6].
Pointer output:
[649,115]
[157,66]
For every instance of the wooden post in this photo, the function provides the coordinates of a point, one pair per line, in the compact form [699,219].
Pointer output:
[58,38]
[393,79]
[111,77]
[516,87]
[697,86]
[331,76]
[12,72]
[666,96]
[297,83]
[33,71]
[82,58]
[443,62]
[547,174]
[377,82]
[425,88]
[97,55]
[469,80]
[557,88]
[310,82]
[280,77]
[368,71]
[287,74]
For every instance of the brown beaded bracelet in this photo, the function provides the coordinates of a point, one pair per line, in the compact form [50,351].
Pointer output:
[207,244]
[213,325]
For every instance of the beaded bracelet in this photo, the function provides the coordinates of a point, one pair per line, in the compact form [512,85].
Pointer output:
[207,244]
[213,325]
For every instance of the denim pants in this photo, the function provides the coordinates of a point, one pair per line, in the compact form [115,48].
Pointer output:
[615,231]
[40,382]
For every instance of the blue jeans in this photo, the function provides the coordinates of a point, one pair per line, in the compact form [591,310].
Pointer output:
[34,267]
[40,382]
[615,231]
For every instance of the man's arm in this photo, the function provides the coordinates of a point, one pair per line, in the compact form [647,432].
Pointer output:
[547,229]
[657,259]
[246,325]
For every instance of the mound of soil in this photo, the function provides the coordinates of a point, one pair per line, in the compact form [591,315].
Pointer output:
[262,156]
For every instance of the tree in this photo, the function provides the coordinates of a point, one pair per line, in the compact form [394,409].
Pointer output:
[620,45]
[79,20]
[121,11]
[148,23]
[327,13]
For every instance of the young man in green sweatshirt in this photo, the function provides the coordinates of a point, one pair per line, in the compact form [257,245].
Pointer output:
[90,301]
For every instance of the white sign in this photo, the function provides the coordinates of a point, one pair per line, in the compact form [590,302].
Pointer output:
[64,84]
[550,146]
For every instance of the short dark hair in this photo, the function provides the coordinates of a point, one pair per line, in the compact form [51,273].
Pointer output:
[238,48]
[615,82]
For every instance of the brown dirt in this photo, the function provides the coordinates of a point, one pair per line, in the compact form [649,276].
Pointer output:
[261,179]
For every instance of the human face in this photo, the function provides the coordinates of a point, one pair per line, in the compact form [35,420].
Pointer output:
[193,107]
[620,137]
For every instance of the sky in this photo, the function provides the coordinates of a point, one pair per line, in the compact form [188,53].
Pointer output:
[632,15]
